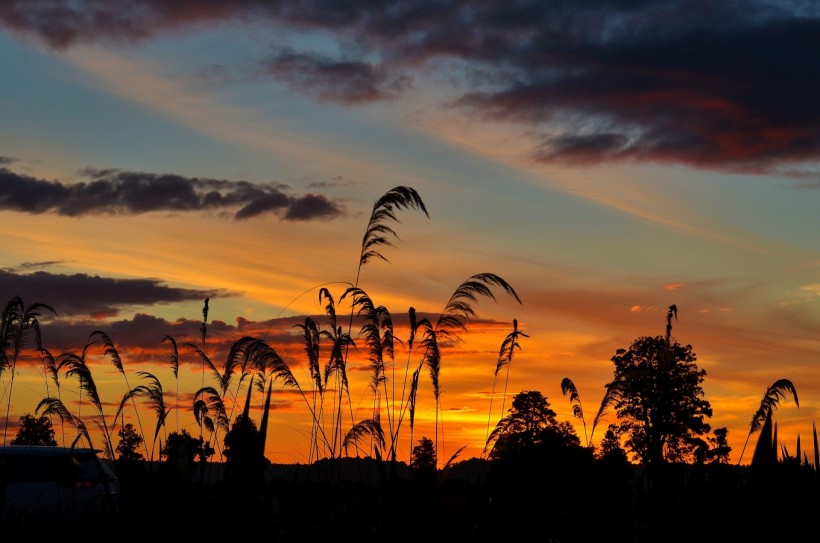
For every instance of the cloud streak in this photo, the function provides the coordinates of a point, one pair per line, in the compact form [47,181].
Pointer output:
[731,88]
[115,192]
[94,296]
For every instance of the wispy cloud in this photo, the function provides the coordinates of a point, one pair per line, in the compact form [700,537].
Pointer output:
[725,86]
[346,82]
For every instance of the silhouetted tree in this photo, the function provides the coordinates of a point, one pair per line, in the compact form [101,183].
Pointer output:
[659,399]
[719,453]
[34,431]
[424,455]
[531,451]
[423,463]
[244,462]
[180,450]
[610,447]
[657,395]
[129,441]
[530,423]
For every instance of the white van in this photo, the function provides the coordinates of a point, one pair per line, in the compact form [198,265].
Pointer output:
[55,485]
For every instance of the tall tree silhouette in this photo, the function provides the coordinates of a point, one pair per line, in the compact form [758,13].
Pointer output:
[522,431]
[657,394]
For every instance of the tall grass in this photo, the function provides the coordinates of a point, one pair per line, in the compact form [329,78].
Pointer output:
[18,324]
[253,366]
[399,367]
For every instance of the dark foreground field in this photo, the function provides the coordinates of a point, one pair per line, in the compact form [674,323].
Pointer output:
[362,500]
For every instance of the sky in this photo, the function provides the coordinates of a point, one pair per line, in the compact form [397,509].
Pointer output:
[605,159]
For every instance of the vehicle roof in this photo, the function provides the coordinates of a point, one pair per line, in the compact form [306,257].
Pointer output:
[44,450]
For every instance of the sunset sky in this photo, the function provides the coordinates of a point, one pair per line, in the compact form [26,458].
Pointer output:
[607,161]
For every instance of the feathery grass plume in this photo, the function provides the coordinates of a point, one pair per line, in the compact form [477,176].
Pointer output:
[174,358]
[575,401]
[371,428]
[208,401]
[259,354]
[155,397]
[611,397]
[378,230]
[244,368]
[110,351]
[414,324]
[765,453]
[452,320]
[200,406]
[503,427]
[269,367]
[236,362]
[312,340]
[18,322]
[459,307]
[50,372]
[75,366]
[377,330]
[263,425]
[453,457]
[378,235]
[505,356]
[432,361]
[204,326]
[49,369]
[268,363]
[336,368]
[449,463]
[55,407]
[204,334]
[816,451]
[411,404]
[771,399]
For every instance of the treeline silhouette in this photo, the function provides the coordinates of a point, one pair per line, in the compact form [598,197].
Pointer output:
[659,474]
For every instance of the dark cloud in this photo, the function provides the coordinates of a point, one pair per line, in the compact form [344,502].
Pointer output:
[311,206]
[345,82]
[724,85]
[7,159]
[128,193]
[94,296]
